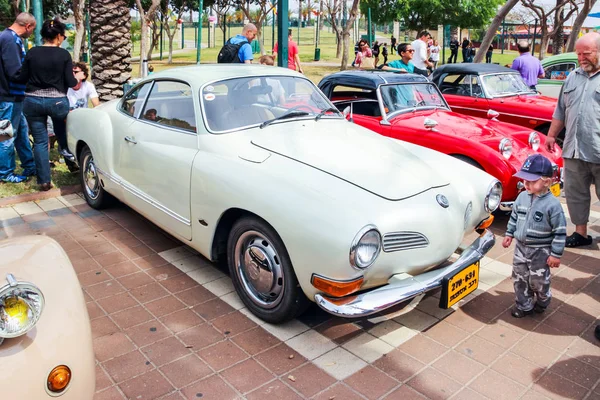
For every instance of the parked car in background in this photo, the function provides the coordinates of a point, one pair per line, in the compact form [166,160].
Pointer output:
[475,89]
[45,336]
[254,166]
[556,69]
[410,108]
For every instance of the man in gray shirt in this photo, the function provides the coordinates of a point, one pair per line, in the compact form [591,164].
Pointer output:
[577,110]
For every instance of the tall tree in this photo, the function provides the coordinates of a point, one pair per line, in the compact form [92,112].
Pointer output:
[171,13]
[147,17]
[544,14]
[332,16]
[493,28]
[353,13]
[222,8]
[110,24]
[78,8]
[585,10]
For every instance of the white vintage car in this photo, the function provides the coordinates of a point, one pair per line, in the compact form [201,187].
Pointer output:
[254,165]
[45,337]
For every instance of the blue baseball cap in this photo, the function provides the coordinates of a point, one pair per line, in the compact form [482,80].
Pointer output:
[535,167]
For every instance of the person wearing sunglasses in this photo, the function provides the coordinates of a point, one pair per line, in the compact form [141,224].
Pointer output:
[84,92]
[405,63]
[364,51]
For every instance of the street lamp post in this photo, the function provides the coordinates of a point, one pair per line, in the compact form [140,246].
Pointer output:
[199,45]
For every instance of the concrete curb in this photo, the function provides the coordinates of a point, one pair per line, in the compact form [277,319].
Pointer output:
[22,198]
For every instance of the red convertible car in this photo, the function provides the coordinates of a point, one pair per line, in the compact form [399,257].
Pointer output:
[410,108]
[475,89]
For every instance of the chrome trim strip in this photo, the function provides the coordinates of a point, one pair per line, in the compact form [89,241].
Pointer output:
[404,240]
[379,299]
[502,113]
[145,197]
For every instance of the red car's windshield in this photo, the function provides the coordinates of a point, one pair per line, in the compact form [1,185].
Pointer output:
[398,97]
[500,85]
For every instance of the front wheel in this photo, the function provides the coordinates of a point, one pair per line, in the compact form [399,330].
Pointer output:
[262,272]
[94,193]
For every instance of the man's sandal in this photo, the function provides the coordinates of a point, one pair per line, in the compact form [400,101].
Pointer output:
[577,240]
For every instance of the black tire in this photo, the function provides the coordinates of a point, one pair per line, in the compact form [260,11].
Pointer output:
[270,290]
[468,160]
[94,193]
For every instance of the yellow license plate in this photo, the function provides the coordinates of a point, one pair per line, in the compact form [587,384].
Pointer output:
[459,285]
[555,189]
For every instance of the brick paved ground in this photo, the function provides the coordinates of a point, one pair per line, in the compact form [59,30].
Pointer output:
[167,324]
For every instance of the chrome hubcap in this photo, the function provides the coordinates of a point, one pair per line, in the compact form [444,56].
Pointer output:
[258,269]
[92,183]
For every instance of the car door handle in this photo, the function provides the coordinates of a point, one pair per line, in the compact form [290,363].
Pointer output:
[130,140]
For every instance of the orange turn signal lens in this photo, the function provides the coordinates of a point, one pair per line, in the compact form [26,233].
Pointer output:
[336,288]
[486,223]
[59,378]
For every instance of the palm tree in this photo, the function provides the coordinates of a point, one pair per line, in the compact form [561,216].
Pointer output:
[110,25]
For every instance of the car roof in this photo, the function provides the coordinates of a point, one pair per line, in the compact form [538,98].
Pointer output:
[201,74]
[472,68]
[370,80]
[560,57]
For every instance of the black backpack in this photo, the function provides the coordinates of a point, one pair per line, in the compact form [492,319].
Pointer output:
[230,52]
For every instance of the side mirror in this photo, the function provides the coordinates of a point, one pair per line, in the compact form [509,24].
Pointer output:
[430,123]
[491,114]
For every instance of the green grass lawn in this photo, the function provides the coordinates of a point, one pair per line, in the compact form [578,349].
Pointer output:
[60,177]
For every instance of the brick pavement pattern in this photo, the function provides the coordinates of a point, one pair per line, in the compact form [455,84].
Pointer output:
[167,324]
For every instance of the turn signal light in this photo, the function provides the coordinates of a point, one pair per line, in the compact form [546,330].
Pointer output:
[59,379]
[336,288]
[486,223]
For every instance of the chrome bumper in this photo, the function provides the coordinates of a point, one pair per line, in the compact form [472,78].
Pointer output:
[506,206]
[398,291]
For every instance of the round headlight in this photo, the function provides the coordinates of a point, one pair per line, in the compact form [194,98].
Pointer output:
[505,148]
[534,141]
[493,197]
[21,305]
[365,247]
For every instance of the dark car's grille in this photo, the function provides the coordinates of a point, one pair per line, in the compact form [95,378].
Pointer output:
[398,241]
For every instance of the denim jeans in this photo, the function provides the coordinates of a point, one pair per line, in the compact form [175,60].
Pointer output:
[37,110]
[20,141]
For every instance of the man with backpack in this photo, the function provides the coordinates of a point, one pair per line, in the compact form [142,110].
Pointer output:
[238,48]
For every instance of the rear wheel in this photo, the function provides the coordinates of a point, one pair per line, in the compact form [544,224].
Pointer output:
[262,272]
[94,193]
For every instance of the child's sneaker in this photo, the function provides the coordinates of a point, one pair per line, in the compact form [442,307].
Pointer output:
[517,313]
[13,178]
[539,309]
[6,128]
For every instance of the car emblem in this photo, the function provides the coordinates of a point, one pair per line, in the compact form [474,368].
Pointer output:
[442,200]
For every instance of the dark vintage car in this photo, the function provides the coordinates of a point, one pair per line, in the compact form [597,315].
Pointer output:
[475,89]
[410,108]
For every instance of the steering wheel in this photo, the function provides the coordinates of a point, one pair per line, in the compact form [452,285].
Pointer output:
[299,108]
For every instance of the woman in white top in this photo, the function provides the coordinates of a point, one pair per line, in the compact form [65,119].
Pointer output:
[80,95]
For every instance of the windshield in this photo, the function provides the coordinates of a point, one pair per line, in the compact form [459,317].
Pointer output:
[398,97]
[499,85]
[250,101]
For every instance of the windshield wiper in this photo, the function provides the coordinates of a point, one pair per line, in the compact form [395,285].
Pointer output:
[284,116]
[322,113]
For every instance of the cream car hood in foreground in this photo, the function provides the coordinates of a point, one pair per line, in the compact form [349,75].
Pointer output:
[314,181]
[62,336]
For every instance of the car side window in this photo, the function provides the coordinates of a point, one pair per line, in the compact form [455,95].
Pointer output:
[170,103]
[559,71]
[133,102]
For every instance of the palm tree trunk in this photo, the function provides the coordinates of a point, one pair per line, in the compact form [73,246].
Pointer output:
[110,24]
